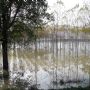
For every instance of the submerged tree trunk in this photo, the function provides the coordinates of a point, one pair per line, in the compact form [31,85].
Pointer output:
[5,54]
[5,59]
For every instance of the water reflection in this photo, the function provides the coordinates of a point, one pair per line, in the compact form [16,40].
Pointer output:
[49,65]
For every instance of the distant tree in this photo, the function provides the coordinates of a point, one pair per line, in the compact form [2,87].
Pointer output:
[30,12]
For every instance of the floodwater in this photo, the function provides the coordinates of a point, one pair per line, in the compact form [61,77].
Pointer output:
[49,65]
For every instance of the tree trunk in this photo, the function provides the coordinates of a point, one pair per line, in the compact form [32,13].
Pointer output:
[5,55]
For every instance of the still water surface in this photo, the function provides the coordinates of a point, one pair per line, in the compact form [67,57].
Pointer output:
[50,65]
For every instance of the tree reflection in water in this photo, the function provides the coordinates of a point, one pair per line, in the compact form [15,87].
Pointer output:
[43,68]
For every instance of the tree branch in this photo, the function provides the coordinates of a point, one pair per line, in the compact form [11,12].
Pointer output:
[17,10]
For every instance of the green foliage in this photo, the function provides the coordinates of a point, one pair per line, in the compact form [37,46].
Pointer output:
[85,30]
[19,32]
[20,17]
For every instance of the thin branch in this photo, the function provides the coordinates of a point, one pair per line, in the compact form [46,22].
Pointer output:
[17,10]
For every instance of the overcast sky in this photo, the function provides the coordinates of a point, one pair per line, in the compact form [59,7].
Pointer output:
[68,4]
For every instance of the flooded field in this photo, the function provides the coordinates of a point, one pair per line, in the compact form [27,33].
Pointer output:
[49,65]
